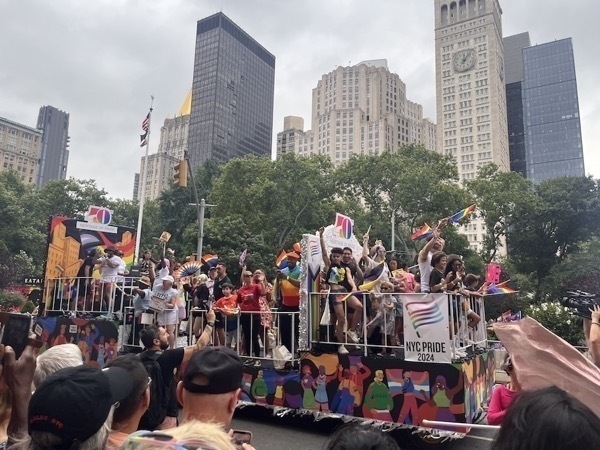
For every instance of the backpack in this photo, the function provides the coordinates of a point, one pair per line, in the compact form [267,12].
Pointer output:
[159,393]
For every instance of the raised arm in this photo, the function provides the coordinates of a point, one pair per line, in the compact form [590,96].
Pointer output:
[594,340]
[324,254]
[428,247]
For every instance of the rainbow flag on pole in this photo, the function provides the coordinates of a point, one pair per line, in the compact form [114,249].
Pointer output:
[461,214]
[422,233]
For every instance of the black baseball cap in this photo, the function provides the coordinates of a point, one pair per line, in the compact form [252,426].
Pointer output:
[220,365]
[74,403]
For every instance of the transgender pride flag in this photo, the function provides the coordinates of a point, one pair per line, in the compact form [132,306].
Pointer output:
[344,226]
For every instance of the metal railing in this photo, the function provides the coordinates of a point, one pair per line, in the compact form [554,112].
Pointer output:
[467,325]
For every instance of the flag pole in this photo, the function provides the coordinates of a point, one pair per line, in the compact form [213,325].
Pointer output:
[143,176]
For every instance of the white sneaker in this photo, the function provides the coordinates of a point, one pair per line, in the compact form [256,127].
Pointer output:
[353,337]
[459,354]
[342,350]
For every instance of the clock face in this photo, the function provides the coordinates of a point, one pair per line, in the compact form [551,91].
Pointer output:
[464,60]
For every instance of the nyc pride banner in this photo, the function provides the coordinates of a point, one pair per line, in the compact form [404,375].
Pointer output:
[426,334]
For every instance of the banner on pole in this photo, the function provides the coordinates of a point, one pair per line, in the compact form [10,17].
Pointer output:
[426,328]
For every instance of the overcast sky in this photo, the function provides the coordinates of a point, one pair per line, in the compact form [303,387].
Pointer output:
[101,60]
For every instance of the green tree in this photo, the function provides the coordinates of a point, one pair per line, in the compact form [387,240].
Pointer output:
[418,184]
[277,201]
[563,214]
[498,196]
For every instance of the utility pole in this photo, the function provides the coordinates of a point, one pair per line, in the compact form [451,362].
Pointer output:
[201,206]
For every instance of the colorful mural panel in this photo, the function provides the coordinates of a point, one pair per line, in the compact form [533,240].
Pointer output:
[386,389]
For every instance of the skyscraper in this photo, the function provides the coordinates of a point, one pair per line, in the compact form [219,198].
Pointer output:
[513,58]
[471,96]
[54,157]
[547,109]
[360,109]
[232,93]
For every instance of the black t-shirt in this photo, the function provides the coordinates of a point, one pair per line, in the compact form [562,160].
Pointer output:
[89,262]
[436,277]
[168,361]
[218,287]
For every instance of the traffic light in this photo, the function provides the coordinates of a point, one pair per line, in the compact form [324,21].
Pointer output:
[180,174]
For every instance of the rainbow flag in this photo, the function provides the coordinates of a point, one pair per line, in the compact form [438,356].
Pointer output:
[422,233]
[344,226]
[494,289]
[210,259]
[461,214]
[281,260]
[424,313]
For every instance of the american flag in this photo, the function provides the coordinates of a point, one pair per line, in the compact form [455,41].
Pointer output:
[146,123]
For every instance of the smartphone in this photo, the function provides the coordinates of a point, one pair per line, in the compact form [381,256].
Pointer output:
[16,332]
[240,437]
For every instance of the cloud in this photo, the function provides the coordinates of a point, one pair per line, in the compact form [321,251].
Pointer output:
[100,61]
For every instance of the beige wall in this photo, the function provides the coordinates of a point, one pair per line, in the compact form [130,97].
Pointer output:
[20,149]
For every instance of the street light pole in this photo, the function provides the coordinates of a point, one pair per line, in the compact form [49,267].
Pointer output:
[393,229]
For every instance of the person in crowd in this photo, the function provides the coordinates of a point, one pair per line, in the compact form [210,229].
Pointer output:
[126,417]
[591,329]
[5,412]
[162,269]
[227,308]
[220,279]
[73,408]
[289,292]
[210,283]
[266,318]
[211,386]
[120,282]
[54,359]
[340,281]
[548,419]
[437,283]
[147,266]
[385,317]
[356,436]
[249,301]
[503,394]
[434,244]
[194,434]
[85,281]
[156,347]
[109,268]
[349,261]
[454,272]
[165,295]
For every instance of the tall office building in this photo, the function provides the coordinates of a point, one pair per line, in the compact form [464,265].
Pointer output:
[171,149]
[361,109]
[55,143]
[543,109]
[513,58]
[232,93]
[471,96]
[20,149]
[136,185]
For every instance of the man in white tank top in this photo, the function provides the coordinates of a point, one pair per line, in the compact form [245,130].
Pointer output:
[435,244]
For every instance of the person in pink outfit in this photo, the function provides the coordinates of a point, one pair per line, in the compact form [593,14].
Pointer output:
[503,395]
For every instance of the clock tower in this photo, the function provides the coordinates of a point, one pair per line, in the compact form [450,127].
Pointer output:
[470,90]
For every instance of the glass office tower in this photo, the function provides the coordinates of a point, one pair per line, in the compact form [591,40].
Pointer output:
[551,112]
[232,94]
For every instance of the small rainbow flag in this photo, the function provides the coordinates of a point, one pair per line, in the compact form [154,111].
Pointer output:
[344,226]
[494,289]
[210,259]
[281,260]
[422,233]
[424,313]
[461,214]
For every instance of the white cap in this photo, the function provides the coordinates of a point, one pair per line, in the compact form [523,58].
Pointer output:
[168,278]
